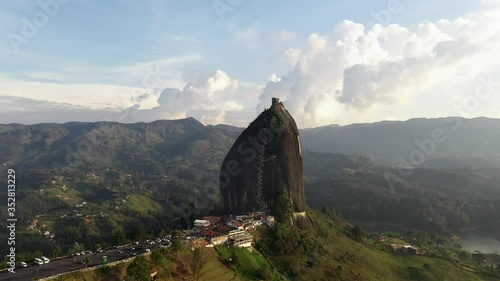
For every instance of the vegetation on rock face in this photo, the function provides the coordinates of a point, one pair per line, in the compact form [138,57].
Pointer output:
[283,209]
[285,237]
[139,269]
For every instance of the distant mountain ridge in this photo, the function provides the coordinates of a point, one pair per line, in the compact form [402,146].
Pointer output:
[467,142]
[173,167]
[53,144]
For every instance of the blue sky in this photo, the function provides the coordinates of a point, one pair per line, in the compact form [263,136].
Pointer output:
[95,54]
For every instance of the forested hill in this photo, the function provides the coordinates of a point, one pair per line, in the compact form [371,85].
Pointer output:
[439,201]
[104,144]
[150,173]
[456,142]
[467,142]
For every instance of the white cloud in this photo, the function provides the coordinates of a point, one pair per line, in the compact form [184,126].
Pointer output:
[350,75]
[347,76]
[33,111]
[97,96]
[208,98]
[97,87]
[292,56]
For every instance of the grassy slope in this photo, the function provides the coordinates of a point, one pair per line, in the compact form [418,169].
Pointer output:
[115,273]
[143,204]
[337,258]
[214,269]
[341,258]
[248,264]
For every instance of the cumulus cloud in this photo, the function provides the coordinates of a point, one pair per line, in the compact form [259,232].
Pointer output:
[208,98]
[355,71]
[211,98]
[32,111]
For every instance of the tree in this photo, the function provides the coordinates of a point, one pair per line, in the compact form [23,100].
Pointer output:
[162,233]
[57,252]
[141,233]
[266,273]
[157,257]
[77,247]
[139,269]
[197,261]
[87,261]
[464,256]
[283,209]
[37,254]
[176,240]
[358,233]
[119,237]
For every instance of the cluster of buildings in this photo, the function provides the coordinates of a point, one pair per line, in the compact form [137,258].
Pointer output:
[81,205]
[406,249]
[32,224]
[403,248]
[233,230]
[46,234]
[49,235]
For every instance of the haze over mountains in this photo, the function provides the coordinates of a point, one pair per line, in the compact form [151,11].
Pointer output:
[345,167]
[467,142]
[145,177]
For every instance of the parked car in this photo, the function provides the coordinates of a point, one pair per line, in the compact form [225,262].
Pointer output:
[23,264]
[38,261]
[45,259]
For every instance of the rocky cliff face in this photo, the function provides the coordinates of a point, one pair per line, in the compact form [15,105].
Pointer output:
[265,161]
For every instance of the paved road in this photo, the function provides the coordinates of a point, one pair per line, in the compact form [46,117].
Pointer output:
[67,264]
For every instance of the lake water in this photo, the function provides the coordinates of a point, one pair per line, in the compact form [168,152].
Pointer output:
[472,241]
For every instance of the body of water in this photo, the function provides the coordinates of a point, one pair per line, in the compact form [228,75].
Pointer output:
[472,241]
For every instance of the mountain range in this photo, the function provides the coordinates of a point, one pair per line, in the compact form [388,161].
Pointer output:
[175,165]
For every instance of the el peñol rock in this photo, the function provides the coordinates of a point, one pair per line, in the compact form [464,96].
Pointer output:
[265,161]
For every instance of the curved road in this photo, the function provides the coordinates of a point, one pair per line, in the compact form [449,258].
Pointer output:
[68,264]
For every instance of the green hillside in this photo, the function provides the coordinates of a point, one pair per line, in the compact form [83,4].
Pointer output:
[139,180]
[329,251]
[332,252]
